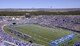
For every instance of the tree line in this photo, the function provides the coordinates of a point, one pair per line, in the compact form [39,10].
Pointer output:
[19,13]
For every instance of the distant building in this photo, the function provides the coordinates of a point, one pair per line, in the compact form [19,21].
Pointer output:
[27,15]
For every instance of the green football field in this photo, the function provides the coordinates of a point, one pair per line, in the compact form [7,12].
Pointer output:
[42,35]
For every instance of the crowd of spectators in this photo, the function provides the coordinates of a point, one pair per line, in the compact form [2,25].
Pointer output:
[71,22]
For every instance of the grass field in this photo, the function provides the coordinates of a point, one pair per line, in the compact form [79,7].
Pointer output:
[43,35]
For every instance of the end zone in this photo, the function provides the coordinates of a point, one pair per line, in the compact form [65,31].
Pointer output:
[62,39]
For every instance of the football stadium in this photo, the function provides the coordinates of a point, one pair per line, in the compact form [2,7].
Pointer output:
[46,30]
[39,22]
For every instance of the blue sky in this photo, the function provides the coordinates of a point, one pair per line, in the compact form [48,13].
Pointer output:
[39,3]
